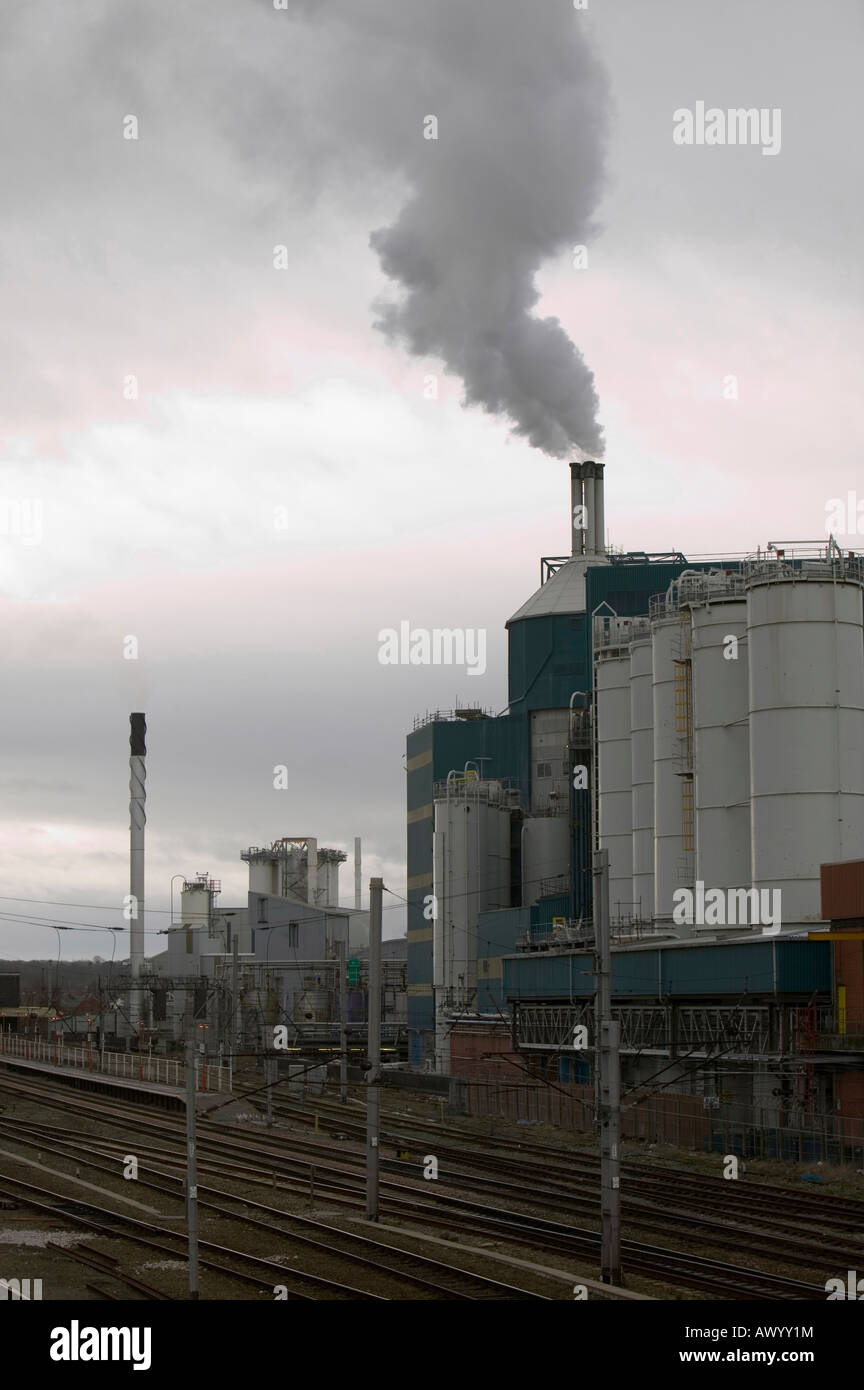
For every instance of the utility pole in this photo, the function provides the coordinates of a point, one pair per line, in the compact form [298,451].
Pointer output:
[343,1024]
[373,1030]
[191,1171]
[609,1079]
[235,1030]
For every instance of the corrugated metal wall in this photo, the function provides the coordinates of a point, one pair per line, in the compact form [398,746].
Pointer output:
[545,909]
[802,968]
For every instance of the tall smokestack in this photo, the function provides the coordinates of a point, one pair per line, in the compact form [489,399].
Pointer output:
[599,511]
[586,490]
[577,500]
[357,866]
[137,822]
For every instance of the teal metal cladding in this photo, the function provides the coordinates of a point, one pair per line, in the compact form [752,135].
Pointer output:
[497,931]
[547,659]
[795,964]
[544,911]
[765,967]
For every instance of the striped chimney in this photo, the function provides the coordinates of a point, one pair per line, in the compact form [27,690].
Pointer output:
[137,822]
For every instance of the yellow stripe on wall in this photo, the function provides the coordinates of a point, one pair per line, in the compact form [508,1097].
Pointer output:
[420,881]
[421,760]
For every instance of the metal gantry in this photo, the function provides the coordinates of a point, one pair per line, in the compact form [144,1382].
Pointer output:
[743,1031]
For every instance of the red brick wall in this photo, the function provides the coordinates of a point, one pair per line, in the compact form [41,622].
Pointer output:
[849,971]
[850,1093]
[484,1052]
[843,890]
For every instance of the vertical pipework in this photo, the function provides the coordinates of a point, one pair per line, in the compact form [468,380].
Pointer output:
[137,822]
[576,500]
[311,870]
[599,522]
[588,493]
[357,867]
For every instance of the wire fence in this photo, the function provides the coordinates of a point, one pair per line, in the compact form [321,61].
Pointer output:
[677,1120]
[130,1066]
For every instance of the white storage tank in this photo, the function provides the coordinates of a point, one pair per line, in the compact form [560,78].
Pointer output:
[196,904]
[806,696]
[614,775]
[264,877]
[545,855]
[673,860]
[721,747]
[314,1004]
[471,874]
[642,776]
[550,773]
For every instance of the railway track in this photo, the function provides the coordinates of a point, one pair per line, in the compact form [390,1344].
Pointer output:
[788,1209]
[105,1221]
[342,1185]
[708,1275]
[450,1281]
[439,1279]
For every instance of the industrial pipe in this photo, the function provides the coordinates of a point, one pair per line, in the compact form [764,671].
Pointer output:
[137,822]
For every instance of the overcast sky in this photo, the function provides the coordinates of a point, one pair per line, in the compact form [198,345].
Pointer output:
[285,484]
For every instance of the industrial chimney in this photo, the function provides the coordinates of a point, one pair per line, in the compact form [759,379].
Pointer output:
[588,525]
[137,819]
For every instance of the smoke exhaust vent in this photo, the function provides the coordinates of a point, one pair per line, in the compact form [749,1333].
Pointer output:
[587,512]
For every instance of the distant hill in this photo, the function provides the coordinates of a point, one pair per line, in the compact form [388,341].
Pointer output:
[77,979]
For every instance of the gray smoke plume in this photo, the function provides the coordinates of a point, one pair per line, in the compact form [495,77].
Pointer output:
[511,181]
[249,113]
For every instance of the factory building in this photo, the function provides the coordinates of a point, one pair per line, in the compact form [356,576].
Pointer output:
[757,770]
[530,751]
[704,724]
[277,957]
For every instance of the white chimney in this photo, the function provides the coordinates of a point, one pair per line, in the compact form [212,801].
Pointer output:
[599,511]
[137,821]
[586,490]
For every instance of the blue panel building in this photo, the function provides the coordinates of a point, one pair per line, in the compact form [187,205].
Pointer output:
[550,659]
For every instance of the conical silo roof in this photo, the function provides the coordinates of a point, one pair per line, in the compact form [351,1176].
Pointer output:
[563,592]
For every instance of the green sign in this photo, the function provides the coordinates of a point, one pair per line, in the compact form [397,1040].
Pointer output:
[353,971]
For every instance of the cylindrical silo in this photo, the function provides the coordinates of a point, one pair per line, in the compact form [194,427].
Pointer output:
[721,746]
[196,904]
[673,859]
[545,856]
[806,690]
[550,771]
[471,874]
[614,776]
[642,777]
[264,876]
